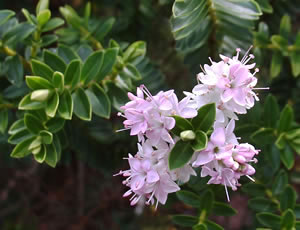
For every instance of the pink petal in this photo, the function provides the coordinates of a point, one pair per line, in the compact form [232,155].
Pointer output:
[152,176]
[218,136]
[204,158]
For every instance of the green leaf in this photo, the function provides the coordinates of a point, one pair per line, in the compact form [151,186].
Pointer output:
[58,81]
[71,16]
[253,189]
[3,120]
[15,70]
[200,142]
[5,15]
[264,136]
[276,63]
[48,39]
[65,108]
[52,105]
[41,69]
[271,111]
[82,105]
[285,26]
[67,53]
[16,127]
[33,124]
[35,83]
[136,49]
[18,33]
[42,5]
[287,157]
[109,60]
[213,226]
[265,6]
[288,198]
[286,119]
[222,209]
[180,154]
[205,118]
[57,146]
[72,74]
[269,220]
[92,66]
[261,204]
[295,56]
[52,24]
[297,211]
[182,124]
[280,141]
[131,72]
[288,220]
[281,43]
[29,17]
[54,61]
[20,136]
[22,149]
[184,220]
[100,102]
[51,156]
[46,136]
[200,227]
[189,198]
[103,28]
[280,181]
[118,96]
[55,124]
[43,17]
[41,156]
[27,104]
[207,201]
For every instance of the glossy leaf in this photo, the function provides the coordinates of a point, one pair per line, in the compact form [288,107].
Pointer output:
[261,204]
[52,105]
[99,100]
[92,66]
[15,70]
[200,142]
[271,111]
[54,61]
[65,108]
[109,60]
[280,182]
[55,124]
[51,156]
[41,69]
[205,118]
[3,120]
[288,198]
[41,156]
[5,15]
[35,83]
[52,24]
[46,136]
[181,125]
[184,220]
[276,64]
[136,49]
[180,154]
[58,81]
[27,104]
[82,105]
[72,74]
[287,157]
[288,220]
[269,220]
[43,17]
[33,124]
[222,209]
[189,198]
[67,53]
[16,127]
[286,119]
[22,149]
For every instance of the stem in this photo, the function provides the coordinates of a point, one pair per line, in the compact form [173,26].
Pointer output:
[97,45]
[202,217]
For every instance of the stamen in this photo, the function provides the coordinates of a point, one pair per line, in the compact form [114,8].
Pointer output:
[210,60]
[120,130]
[246,54]
[227,193]
[156,204]
[238,50]
[251,56]
[250,178]
[146,91]
[121,115]
[256,71]
[202,69]
[266,88]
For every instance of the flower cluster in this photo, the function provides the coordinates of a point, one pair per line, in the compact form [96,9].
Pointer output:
[150,118]
[229,84]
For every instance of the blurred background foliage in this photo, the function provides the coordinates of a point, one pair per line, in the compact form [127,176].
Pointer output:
[80,193]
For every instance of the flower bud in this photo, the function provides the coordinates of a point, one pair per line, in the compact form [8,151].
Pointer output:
[40,95]
[187,135]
